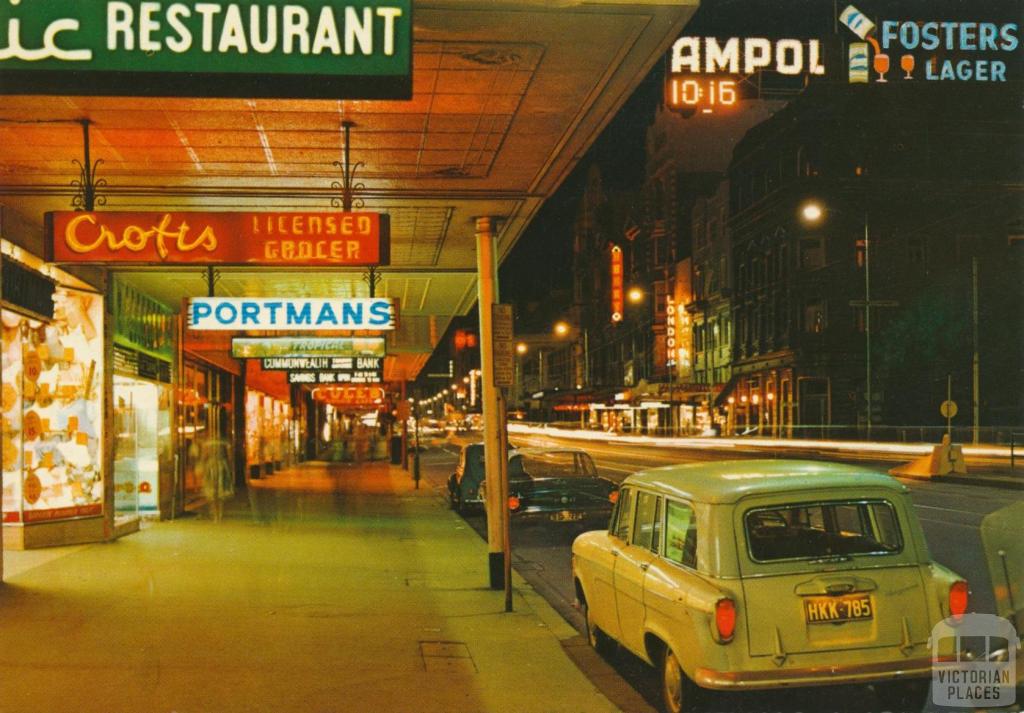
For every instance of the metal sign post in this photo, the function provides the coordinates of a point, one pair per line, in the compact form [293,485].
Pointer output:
[504,376]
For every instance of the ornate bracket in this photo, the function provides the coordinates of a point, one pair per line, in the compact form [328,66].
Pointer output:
[347,185]
[87,185]
[349,190]
[372,278]
[212,277]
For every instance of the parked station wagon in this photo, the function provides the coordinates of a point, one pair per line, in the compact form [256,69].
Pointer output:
[759,574]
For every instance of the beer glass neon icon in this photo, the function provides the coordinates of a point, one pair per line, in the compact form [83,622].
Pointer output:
[974,661]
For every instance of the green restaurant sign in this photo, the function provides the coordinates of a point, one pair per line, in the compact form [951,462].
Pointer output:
[352,49]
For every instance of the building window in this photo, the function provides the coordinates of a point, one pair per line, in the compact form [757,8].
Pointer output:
[858,319]
[815,319]
[861,253]
[812,253]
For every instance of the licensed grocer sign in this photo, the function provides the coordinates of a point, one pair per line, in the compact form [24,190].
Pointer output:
[335,239]
[260,48]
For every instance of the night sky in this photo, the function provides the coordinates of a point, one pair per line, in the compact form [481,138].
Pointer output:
[537,277]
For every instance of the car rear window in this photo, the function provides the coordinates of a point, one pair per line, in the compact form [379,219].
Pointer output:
[556,464]
[820,530]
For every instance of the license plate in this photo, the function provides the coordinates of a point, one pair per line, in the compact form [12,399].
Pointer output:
[566,516]
[829,610]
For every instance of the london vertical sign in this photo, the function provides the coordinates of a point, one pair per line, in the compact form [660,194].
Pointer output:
[300,49]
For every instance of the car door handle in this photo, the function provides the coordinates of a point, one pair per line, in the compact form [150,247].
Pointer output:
[644,566]
[615,553]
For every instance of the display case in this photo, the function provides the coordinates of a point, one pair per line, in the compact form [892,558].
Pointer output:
[142,443]
[52,416]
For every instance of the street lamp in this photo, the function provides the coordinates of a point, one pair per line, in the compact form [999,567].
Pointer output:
[562,329]
[812,213]
[522,348]
[635,295]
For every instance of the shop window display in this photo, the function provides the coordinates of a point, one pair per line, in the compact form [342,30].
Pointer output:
[268,425]
[52,411]
[142,443]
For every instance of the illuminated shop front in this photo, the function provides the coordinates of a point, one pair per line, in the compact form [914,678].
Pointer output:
[270,430]
[143,353]
[53,382]
[206,424]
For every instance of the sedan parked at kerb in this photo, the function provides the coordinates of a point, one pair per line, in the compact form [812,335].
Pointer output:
[759,574]
[557,485]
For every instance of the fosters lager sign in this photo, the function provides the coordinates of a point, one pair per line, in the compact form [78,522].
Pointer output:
[259,48]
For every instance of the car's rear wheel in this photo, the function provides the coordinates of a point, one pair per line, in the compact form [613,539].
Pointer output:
[902,696]
[453,489]
[677,691]
[598,640]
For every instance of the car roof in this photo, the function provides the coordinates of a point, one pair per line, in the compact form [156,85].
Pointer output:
[546,451]
[728,481]
[537,451]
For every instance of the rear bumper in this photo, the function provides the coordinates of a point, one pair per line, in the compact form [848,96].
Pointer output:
[820,675]
[567,516]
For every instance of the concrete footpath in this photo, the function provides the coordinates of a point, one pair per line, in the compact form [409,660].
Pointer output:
[325,588]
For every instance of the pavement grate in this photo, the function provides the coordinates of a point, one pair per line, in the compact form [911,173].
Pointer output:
[452,656]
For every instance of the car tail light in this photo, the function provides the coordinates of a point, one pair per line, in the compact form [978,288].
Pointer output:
[613,496]
[958,595]
[725,619]
[513,502]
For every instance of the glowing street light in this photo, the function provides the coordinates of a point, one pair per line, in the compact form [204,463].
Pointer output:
[812,212]
[635,295]
[521,348]
[561,328]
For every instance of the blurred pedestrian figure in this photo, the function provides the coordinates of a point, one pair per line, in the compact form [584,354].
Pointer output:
[361,442]
[215,462]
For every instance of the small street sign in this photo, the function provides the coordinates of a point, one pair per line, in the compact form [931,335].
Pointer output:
[948,409]
[503,348]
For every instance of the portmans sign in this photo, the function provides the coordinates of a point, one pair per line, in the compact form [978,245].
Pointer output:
[353,49]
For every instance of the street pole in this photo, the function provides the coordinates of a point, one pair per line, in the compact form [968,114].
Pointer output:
[867,319]
[494,454]
[976,366]
[949,411]
[506,520]
[586,358]
[416,453]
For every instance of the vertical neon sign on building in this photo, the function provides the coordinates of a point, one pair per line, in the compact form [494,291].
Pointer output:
[670,331]
[618,303]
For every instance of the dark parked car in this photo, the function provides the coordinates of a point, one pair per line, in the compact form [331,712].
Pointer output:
[557,485]
[464,483]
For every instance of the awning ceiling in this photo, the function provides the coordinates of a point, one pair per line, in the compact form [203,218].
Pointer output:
[507,98]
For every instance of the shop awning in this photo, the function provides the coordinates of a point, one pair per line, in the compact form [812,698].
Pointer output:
[726,391]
